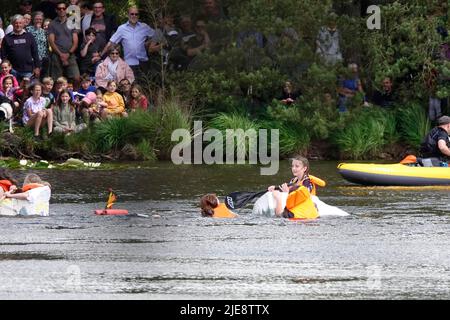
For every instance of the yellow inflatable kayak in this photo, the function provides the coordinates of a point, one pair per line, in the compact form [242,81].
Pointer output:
[394,174]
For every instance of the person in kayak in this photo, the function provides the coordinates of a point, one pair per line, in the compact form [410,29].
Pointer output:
[30,182]
[7,183]
[294,199]
[435,148]
[212,207]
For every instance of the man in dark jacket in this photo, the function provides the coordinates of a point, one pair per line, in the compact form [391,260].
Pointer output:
[105,25]
[20,48]
[435,147]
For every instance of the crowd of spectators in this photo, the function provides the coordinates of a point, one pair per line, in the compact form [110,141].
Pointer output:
[65,70]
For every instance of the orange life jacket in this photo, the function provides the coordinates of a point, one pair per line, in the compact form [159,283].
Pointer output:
[5,185]
[315,181]
[299,202]
[221,211]
[31,186]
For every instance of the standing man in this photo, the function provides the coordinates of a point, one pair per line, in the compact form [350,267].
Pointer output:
[64,43]
[20,48]
[133,36]
[105,25]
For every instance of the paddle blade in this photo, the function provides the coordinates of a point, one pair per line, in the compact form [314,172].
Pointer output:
[239,199]
[111,199]
[409,159]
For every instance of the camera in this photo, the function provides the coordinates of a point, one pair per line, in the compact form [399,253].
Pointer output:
[6,111]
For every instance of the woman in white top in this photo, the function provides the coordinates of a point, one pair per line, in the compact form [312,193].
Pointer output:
[34,112]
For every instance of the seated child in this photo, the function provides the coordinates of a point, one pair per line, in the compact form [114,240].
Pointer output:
[8,91]
[6,71]
[47,87]
[92,105]
[64,115]
[35,115]
[61,84]
[114,101]
[138,100]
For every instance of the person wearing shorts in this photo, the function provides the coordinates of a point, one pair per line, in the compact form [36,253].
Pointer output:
[63,40]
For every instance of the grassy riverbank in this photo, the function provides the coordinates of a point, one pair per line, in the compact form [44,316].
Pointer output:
[363,133]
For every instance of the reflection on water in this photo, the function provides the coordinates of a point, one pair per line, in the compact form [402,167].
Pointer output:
[394,245]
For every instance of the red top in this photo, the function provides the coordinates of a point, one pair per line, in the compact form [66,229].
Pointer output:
[141,102]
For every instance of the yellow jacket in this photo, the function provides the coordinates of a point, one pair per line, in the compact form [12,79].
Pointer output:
[115,102]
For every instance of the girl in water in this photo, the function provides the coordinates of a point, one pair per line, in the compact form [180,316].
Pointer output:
[211,207]
[7,183]
[294,199]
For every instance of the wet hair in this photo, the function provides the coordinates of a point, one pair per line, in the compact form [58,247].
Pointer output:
[34,178]
[6,175]
[303,160]
[207,204]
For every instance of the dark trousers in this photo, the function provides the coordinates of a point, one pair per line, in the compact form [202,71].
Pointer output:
[141,73]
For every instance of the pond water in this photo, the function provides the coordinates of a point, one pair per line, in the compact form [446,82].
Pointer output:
[394,245]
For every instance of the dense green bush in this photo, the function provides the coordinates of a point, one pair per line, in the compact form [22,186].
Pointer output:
[366,132]
[413,124]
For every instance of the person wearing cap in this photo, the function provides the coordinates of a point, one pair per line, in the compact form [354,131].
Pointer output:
[435,150]
[89,108]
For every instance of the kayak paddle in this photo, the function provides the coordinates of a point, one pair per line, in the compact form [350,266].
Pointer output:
[238,199]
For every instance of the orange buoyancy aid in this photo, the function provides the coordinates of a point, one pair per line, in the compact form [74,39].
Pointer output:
[31,186]
[315,181]
[221,211]
[299,202]
[5,185]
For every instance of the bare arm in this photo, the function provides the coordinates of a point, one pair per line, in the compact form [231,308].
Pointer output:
[105,50]
[51,41]
[83,51]
[74,43]
[19,196]
[443,147]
